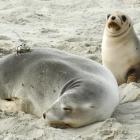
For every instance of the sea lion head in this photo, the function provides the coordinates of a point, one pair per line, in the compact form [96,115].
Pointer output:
[117,23]
[76,107]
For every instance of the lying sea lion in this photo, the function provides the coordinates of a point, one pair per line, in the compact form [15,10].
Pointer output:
[68,90]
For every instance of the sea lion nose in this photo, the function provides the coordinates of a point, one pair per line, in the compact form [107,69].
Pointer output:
[44,115]
[113,17]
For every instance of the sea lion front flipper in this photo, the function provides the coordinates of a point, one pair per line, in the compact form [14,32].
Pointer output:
[132,76]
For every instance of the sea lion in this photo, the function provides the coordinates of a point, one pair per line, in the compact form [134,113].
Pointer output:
[68,90]
[121,48]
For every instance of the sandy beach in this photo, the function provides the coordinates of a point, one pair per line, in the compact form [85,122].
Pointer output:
[75,26]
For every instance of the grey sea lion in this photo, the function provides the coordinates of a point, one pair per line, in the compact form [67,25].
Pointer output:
[68,90]
[121,48]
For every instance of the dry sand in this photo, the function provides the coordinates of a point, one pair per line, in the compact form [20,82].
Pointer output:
[77,27]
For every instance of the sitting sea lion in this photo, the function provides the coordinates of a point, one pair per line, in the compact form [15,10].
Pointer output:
[121,48]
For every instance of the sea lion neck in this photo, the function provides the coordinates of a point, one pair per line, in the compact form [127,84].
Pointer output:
[122,38]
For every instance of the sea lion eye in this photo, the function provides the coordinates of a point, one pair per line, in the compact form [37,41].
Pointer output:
[67,109]
[108,16]
[92,106]
[124,18]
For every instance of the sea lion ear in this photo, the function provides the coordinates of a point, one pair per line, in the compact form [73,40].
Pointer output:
[67,109]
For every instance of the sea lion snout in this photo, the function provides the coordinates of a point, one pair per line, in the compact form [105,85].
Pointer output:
[113,22]
[111,17]
[54,122]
